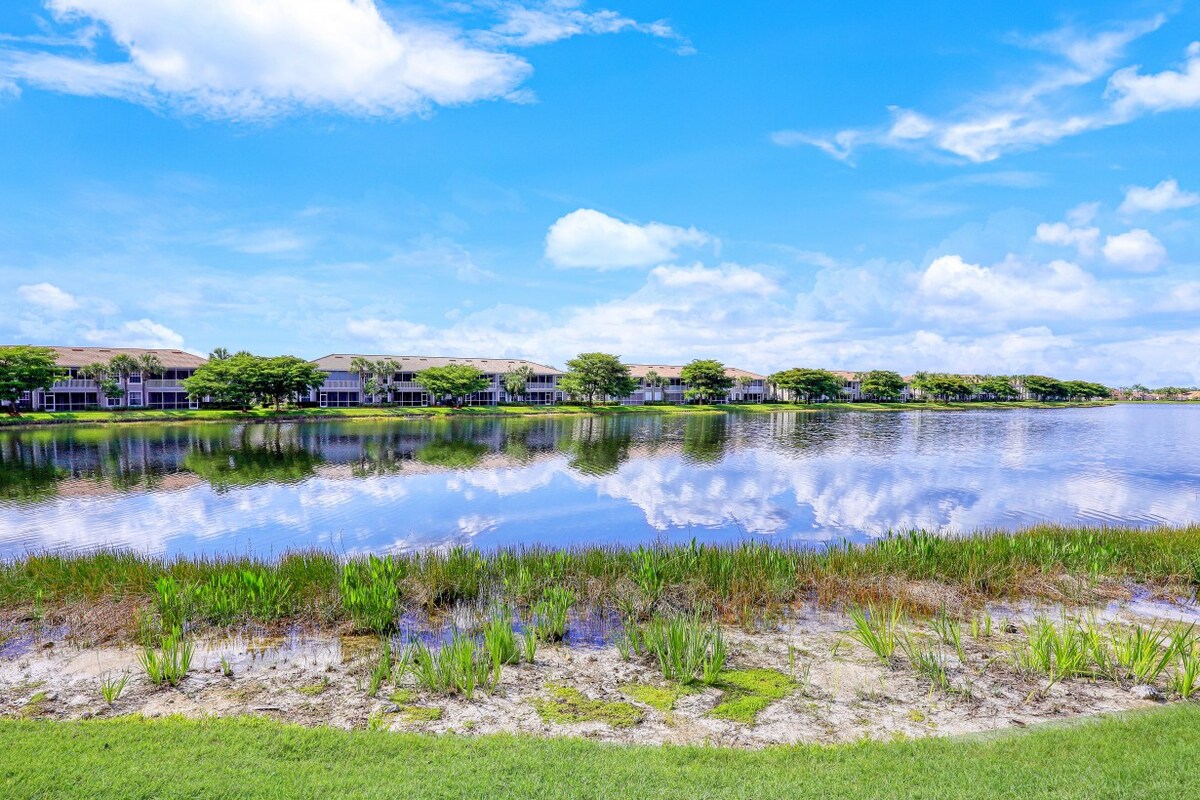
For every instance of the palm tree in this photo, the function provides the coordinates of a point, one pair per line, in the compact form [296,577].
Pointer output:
[122,366]
[655,381]
[744,382]
[516,381]
[219,354]
[97,372]
[385,370]
[364,367]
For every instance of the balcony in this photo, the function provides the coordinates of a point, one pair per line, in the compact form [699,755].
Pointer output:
[157,384]
[340,385]
[74,383]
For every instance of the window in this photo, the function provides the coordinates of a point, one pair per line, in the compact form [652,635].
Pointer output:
[135,398]
[113,402]
[135,378]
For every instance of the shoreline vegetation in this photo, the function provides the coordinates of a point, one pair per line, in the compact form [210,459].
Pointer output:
[919,570]
[33,419]
[1143,755]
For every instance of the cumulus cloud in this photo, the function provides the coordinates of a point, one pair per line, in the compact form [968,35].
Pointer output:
[135,333]
[952,289]
[590,238]
[1138,251]
[1166,196]
[238,60]
[1062,234]
[48,296]
[1050,105]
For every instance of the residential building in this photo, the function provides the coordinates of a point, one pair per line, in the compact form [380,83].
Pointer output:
[345,386]
[139,389]
[748,387]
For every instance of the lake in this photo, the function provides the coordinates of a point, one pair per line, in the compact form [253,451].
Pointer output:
[359,486]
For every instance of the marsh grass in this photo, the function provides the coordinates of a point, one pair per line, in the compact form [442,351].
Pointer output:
[382,670]
[529,643]
[112,688]
[170,664]
[460,666]
[878,629]
[687,649]
[499,638]
[1186,680]
[552,612]
[928,661]
[1037,562]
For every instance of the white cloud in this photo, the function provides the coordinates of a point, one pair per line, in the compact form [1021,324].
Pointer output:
[1166,196]
[136,333]
[1182,297]
[590,238]
[1062,234]
[1136,250]
[550,21]
[48,296]
[954,290]
[250,60]
[265,242]
[1047,107]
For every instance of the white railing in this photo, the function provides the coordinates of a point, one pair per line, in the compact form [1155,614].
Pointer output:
[340,385]
[163,383]
[75,383]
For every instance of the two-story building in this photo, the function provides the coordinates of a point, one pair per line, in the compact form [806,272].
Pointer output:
[345,385]
[748,387]
[140,388]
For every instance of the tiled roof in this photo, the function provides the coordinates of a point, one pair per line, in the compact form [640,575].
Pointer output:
[340,362]
[81,356]
[674,371]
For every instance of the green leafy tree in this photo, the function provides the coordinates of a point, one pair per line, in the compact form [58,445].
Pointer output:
[99,372]
[880,384]
[150,365]
[26,369]
[226,381]
[808,384]
[364,369]
[278,379]
[516,380]
[1044,388]
[456,381]
[595,376]
[706,380]
[943,385]
[384,373]
[998,387]
[654,381]
[219,354]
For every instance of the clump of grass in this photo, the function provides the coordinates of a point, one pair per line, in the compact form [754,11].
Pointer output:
[529,643]
[687,649]
[173,602]
[1143,653]
[1186,680]
[459,666]
[949,630]
[381,671]
[551,613]
[928,661]
[170,664]
[112,688]
[226,667]
[748,692]
[229,596]
[1071,649]
[314,689]
[499,639]
[981,625]
[877,629]
[565,705]
[371,592]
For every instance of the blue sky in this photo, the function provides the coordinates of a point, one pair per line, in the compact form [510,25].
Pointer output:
[974,188]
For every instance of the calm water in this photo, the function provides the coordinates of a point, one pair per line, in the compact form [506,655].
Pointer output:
[359,486]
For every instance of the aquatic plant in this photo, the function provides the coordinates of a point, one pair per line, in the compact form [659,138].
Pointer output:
[1186,680]
[551,613]
[949,630]
[382,670]
[927,660]
[371,593]
[687,649]
[877,629]
[172,602]
[169,664]
[112,688]
[499,639]
[1069,649]
[459,666]
[1142,653]
[529,641]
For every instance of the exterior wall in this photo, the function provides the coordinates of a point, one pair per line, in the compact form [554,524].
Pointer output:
[346,389]
[141,391]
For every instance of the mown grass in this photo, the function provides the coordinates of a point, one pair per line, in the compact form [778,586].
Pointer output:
[1146,755]
[1051,562]
[36,418]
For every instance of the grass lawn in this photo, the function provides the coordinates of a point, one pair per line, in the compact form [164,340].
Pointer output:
[392,412]
[1145,755]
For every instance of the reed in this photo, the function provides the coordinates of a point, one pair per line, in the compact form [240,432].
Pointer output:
[499,639]
[687,648]
[112,688]
[877,629]
[459,666]
[169,664]
[551,613]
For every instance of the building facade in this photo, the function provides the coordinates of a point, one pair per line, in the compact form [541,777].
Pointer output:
[345,386]
[138,388]
[748,387]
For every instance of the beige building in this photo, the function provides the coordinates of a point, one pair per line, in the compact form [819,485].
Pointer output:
[748,387]
[139,388]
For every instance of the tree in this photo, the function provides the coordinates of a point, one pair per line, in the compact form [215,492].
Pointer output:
[384,373]
[880,384]
[744,382]
[26,369]
[592,376]
[280,378]
[364,368]
[653,380]
[150,365]
[706,379]
[516,381]
[121,366]
[942,385]
[225,381]
[809,384]
[998,387]
[1044,388]
[455,381]
[219,354]
[98,372]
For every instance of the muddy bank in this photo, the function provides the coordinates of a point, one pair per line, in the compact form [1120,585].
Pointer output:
[815,684]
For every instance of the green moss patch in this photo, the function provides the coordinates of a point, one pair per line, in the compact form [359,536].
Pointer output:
[748,692]
[661,697]
[564,705]
[402,697]
[314,689]
[420,713]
